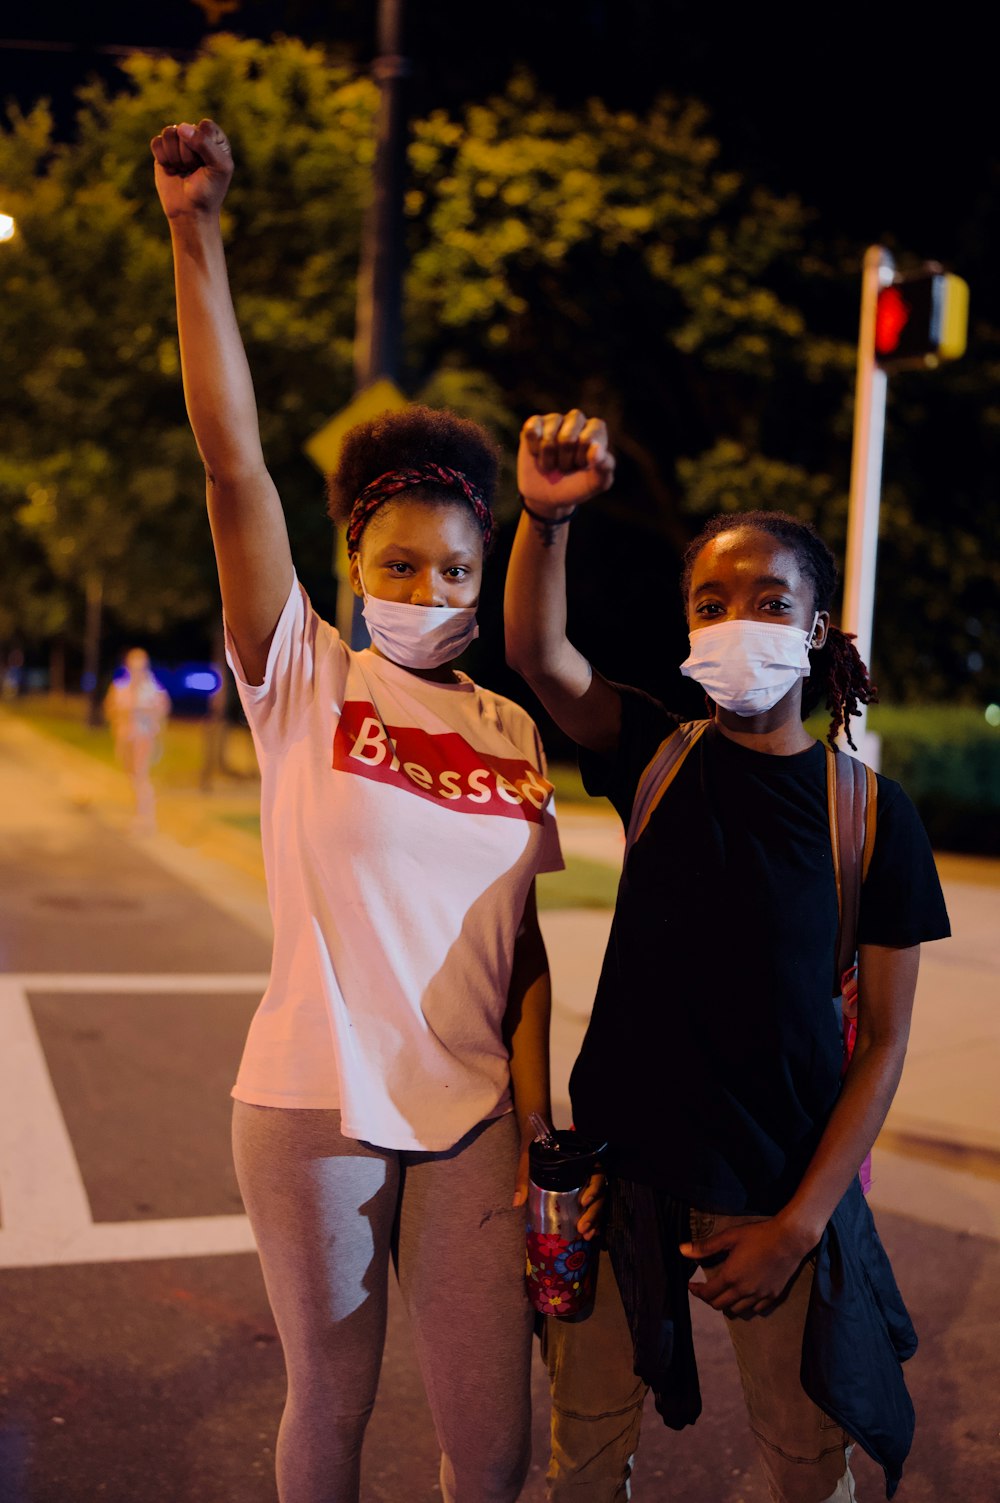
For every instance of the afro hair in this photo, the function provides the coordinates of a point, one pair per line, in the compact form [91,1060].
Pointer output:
[413,436]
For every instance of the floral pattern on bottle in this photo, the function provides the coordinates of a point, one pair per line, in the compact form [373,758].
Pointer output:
[559,1273]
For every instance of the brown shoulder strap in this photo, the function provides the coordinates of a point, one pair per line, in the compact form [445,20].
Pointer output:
[871,819]
[851,797]
[831,810]
[658,774]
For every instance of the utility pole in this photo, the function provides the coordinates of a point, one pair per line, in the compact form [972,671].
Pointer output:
[378,329]
[913,321]
[379,318]
[866,482]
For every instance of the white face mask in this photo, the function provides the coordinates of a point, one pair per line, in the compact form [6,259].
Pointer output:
[747,666]
[418,636]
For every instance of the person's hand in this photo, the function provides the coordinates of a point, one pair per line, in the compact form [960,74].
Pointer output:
[521,1183]
[760,1260]
[194,165]
[592,1199]
[563,460]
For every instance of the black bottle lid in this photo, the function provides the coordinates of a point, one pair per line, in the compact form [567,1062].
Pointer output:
[568,1165]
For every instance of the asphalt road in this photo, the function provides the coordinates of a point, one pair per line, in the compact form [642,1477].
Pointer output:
[138,1359]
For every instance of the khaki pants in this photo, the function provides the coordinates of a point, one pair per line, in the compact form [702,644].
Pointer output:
[597,1399]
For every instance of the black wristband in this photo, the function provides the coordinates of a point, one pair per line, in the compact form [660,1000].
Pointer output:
[546,521]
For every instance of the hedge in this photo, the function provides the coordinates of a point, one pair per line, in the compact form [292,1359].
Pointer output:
[947,758]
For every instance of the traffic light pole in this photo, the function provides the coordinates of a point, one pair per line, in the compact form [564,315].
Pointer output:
[866,483]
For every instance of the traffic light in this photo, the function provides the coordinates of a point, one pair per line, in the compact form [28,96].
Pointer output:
[921,319]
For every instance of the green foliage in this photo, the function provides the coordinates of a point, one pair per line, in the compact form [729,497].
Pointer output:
[474,394]
[99,470]
[726,478]
[583,884]
[939,565]
[948,760]
[32,605]
[522,185]
[603,258]
[559,256]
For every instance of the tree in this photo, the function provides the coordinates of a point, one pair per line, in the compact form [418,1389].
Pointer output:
[602,258]
[606,258]
[99,467]
[560,255]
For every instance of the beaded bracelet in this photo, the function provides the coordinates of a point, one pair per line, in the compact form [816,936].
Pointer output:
[547,524]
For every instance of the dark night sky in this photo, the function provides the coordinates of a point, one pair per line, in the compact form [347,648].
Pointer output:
[886,126]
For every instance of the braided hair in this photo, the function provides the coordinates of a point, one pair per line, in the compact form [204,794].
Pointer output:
[837,676]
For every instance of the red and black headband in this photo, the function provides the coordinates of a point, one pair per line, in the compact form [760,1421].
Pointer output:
[393,481]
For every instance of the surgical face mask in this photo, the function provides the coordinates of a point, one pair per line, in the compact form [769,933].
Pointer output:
[418,636]
[747,666]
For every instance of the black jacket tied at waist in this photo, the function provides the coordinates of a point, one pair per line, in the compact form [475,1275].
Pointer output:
[857,1329]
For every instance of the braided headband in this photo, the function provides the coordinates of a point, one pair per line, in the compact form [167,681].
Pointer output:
[393,481]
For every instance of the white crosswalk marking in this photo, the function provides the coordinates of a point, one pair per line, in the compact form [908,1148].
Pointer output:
[45,1212]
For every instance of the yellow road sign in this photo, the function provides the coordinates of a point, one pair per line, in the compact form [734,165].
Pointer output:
[324,446]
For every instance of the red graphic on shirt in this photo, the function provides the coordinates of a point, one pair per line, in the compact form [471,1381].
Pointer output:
[443,768]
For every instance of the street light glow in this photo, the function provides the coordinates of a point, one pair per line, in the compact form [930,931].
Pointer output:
[7,227]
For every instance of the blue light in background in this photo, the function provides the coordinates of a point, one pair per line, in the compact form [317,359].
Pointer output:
[203,681]
[190,685]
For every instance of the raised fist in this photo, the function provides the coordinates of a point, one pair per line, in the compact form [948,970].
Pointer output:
[563,460]
[194,165]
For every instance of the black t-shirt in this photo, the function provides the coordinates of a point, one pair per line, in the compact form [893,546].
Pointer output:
[713,1056]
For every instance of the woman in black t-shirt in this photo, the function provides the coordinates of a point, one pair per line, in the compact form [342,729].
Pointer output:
[713,1059]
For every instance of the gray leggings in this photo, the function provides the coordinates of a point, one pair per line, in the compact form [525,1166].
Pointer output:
[327,1213]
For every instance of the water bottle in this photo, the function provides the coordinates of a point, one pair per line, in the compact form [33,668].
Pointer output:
[561,1266]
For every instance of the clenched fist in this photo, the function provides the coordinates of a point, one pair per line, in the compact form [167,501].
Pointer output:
[563,460]
[194,165]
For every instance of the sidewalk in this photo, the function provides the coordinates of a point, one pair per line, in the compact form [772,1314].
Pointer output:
[938,1158]
[193,839]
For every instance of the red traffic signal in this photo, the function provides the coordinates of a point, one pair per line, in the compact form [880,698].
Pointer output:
[921,319]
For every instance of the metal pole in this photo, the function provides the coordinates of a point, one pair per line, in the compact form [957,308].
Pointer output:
[380,280]
[378,321]
[866,482]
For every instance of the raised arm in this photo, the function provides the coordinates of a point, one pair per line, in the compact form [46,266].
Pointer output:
[194,166]
[563,461]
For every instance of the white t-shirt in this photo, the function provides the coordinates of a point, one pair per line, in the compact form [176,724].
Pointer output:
[402,822]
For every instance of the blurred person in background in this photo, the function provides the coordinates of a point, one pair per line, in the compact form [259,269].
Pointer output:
[12,676]
[137,709]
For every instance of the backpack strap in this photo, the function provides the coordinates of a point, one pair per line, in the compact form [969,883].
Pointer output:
[851,792]
[659,773]
[871,813]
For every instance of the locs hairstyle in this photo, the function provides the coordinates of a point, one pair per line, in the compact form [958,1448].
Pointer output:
[837,676]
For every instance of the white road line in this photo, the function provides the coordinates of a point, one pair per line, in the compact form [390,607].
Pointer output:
[44,1206]
[128,1242]
[41,1189]
[117,981]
